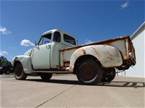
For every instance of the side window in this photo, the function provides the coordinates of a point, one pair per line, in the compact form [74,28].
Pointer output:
[41,41]
[57,37]
[45,39]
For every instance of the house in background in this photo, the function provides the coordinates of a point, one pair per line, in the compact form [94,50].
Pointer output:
[138,39]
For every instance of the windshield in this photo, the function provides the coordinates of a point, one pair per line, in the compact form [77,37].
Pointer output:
[69,39]
[45,39]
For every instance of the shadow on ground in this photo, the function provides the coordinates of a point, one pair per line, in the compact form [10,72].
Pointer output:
[115,83]
[134,84]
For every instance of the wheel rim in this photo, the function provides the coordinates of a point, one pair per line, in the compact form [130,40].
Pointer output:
[87,72]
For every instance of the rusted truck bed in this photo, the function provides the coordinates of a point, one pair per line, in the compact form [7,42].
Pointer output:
[123,43]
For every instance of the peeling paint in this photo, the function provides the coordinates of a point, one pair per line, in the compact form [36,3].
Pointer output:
[110,53]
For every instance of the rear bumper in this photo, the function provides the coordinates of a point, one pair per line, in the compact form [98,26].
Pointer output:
[131,60]
[127,63]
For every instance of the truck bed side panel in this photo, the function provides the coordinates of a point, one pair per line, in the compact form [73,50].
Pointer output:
[122,44]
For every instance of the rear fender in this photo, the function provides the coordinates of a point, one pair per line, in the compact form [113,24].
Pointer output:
[108,56]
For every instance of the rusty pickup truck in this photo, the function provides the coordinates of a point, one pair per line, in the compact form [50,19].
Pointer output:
[57,52]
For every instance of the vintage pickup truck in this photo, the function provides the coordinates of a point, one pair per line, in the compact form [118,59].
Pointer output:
[57,52]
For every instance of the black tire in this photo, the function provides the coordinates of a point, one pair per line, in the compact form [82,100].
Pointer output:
[89,71]
[1,72]
[109,75]
[5,69]
[19,72]
[46,76]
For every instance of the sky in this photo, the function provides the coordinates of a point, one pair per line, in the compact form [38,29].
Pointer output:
[23,21]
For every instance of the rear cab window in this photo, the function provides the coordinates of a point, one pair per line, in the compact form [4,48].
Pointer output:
[69,39]
[57,37]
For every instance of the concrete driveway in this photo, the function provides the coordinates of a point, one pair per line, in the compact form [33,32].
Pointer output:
[64,91]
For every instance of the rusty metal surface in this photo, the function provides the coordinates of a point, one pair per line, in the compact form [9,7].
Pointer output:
[98,42]
[122,43]
[65,57]
[110,53]
[108,56]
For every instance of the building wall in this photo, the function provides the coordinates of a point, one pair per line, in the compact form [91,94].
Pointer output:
[139,69]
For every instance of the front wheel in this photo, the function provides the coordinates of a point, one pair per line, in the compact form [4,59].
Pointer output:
[89,71]
[19,72]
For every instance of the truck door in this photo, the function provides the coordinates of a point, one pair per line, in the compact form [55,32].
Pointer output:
[41,53]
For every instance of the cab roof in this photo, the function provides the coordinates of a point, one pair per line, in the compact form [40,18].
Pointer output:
[54,30]
[50,31]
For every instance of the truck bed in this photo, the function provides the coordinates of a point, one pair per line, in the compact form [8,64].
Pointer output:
[123,43]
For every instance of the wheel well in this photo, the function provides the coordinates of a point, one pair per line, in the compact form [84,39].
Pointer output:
[16,62]
[83,58]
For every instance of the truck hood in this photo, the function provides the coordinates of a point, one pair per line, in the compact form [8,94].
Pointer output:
[26,54]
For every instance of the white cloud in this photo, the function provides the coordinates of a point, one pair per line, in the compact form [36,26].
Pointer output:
[26,43]
[3,53]
[4,31]
[124,5]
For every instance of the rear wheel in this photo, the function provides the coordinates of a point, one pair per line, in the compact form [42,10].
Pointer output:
[46,76]
[19,72]
[89,71]
[109,75]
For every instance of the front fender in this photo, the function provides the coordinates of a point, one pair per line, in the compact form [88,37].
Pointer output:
[25,61]
[108,56]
